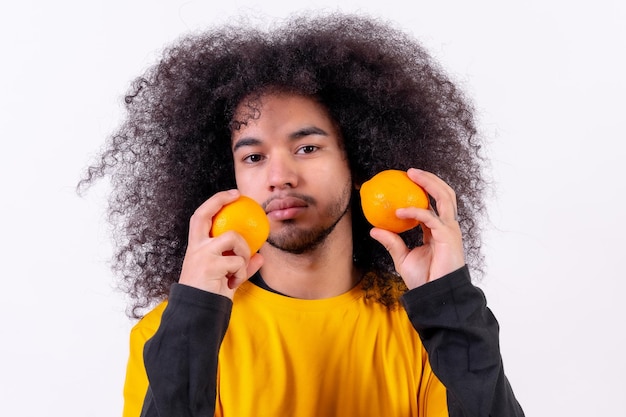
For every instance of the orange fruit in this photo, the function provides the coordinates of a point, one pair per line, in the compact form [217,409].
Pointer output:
[387,191]
[246,217]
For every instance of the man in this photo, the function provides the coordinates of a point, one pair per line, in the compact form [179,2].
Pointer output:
[330,317]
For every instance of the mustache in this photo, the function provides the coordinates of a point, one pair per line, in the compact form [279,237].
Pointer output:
[306,198]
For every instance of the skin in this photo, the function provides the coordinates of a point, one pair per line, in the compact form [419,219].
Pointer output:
[291,160]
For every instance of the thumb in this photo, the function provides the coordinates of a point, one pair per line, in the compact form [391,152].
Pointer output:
[256,261]
[393,243]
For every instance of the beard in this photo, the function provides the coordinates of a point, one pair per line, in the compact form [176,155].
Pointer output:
[297,240]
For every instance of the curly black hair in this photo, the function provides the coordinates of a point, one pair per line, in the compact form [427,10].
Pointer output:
[395,106]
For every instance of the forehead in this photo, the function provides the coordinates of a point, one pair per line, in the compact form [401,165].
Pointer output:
[280,110]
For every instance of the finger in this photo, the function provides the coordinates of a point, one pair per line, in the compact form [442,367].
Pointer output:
[429,220]
[233,245]
[229,243]
[426,234]
[444,195]
[233,266]
[201,220]
[217,264]
[244,274]
[424,216]
[392,243]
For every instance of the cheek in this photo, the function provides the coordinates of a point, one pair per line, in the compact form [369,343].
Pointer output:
[340,171]
[248,184]
[331,180]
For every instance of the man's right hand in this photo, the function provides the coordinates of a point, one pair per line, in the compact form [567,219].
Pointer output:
[218,265]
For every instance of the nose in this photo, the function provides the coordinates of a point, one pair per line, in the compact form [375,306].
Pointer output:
[282,172]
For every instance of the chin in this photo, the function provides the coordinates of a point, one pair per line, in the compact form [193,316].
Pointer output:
[299,241]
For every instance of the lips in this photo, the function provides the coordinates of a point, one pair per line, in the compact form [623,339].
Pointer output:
[284,203]
[285,208]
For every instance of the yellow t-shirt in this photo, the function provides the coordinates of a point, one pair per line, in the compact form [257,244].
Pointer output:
[136,384]
[341,356]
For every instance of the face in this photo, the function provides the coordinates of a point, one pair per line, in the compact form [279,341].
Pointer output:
[291,160]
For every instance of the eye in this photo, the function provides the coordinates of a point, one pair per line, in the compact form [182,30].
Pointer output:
[307,149]
[253,158]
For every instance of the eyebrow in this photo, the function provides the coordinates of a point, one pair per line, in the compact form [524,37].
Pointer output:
[298,134]
[246,142]
[306,131]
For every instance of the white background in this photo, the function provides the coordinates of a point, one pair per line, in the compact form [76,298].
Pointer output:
[546,76]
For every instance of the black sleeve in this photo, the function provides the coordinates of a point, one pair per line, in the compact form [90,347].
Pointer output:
[181,358]
[461,336]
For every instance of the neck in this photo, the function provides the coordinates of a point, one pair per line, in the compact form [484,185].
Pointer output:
[324,272]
